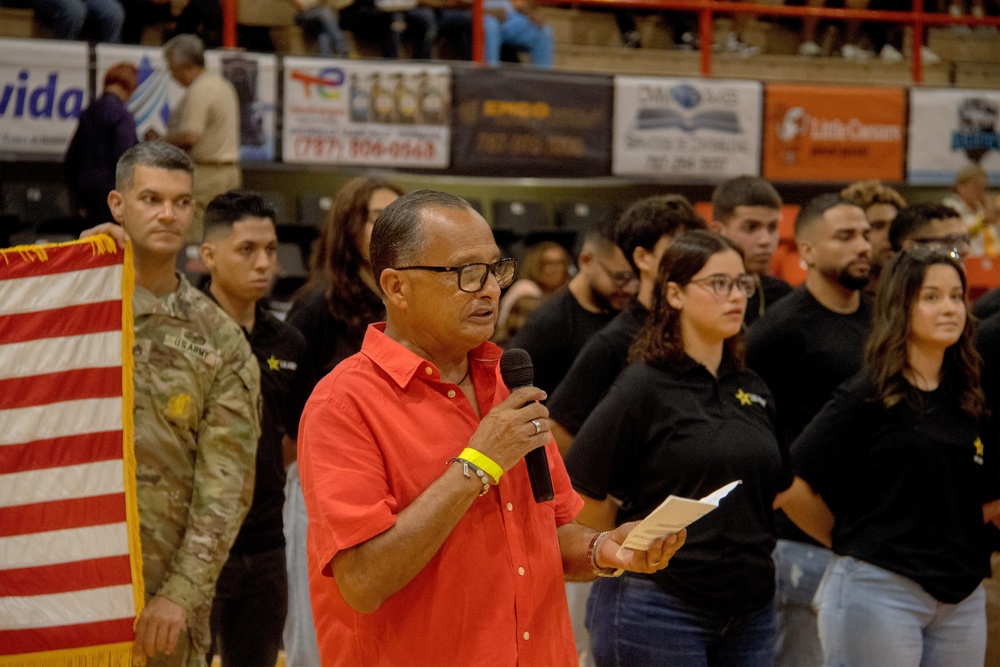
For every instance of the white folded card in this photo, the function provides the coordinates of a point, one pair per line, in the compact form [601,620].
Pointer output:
[673,514]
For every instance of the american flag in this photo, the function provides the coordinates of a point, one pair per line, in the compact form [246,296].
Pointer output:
[70,564]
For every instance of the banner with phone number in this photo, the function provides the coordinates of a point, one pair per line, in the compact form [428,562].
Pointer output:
[345,112]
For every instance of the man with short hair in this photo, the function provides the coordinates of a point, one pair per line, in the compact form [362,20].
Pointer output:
[426,546]
[559,328]
[746,210]
[929,224]
[196,415]
[240,252]
[804,347]
[205,123]
[881,204]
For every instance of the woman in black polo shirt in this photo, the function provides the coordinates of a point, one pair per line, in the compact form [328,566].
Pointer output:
[686,418]
[889,473]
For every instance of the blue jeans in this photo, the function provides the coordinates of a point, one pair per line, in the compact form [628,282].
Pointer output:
[633,623]
[301,648]
[870,616]
[248,613]
[67,18]
[520,32]
[321,21]
[798,568]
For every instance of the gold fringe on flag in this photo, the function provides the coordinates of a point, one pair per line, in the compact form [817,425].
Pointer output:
[109,655]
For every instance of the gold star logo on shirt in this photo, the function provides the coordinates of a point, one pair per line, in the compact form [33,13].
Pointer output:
[273,363]
[743,397]
[978,444]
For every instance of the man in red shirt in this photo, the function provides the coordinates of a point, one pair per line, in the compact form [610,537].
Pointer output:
[420,508]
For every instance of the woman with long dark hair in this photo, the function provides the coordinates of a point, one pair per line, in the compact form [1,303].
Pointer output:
[332,310]
[889,474]
[687,418]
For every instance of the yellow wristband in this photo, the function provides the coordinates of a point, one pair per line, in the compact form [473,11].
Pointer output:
[482,461]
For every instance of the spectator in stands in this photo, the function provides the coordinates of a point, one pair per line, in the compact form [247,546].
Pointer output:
[850,50]
[544,270]
[746,210]
[68,18]
[602,287]
[332,310]
[240,251]
[804,347]
[388,20]
[316,18]
[521,27]
[890,473]
[205,123]
[881,204]
[687,418]
[929,224]
[977,209]
[106,130]
[454,26]
[887,38]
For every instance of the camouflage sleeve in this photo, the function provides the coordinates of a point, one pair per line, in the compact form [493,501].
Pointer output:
[223,479]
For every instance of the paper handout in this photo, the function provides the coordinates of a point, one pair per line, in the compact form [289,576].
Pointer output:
[673,514]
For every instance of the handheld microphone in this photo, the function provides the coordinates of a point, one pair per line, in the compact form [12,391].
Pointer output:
[517,371]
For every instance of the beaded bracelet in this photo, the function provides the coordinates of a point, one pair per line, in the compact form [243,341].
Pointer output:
[595,543]
[483,477]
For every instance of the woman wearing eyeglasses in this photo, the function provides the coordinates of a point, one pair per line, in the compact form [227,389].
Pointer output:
[890,474]
[685,418]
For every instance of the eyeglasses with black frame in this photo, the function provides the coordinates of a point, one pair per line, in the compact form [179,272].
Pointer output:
[472,277]
[722,283]
[956,243]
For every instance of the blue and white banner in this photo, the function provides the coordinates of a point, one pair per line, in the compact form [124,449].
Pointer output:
[950,129]
[157,93]
[686,128]
[43,89]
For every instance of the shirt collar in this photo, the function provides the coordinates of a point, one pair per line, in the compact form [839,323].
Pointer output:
[402,364]
[177,304]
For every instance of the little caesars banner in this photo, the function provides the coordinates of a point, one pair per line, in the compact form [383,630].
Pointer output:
[680,128]
[43,89]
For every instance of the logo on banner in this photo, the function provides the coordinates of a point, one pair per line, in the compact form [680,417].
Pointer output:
[834,137]
[689,118]
[327,82]
[21,99]
[977,128]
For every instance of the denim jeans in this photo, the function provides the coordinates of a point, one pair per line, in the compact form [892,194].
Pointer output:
[68,17]
[321,21]
[520,32]
[633,623]
[870,616]
[301,648]
[248,613]
[798,568]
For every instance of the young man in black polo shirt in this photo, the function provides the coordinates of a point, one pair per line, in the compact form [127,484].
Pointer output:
[240,251]
[747,210]
[805,346]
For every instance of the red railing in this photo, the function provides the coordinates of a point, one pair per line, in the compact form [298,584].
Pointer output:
[918,19]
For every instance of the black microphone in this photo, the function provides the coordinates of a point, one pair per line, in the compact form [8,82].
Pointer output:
[517,371]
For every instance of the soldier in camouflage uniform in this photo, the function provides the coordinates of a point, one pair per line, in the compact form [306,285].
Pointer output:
[197,411]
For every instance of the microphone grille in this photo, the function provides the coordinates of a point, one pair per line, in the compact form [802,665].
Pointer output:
[516,368]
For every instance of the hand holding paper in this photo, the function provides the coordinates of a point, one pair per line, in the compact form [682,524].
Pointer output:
[672,515]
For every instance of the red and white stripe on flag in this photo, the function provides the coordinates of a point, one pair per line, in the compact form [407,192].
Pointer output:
[70,565]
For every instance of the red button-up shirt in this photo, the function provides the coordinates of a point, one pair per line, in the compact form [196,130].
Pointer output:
[376,432]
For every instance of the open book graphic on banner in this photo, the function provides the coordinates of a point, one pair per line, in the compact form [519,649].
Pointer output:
[673,514]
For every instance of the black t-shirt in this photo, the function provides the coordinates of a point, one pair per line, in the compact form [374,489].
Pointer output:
[804,350]
[987,305]
[554,334]
[681,431]
[769,290]
[595,368]
[905,485]
[329,339]
[988,342]
[279,349]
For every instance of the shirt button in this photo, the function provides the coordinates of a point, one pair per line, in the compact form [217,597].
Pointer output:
[510,507]
[527,636]
[451,393]
[520,571]
[428,370]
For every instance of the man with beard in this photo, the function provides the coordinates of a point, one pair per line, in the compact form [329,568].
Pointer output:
[881,204]
[603,286]
[804,347]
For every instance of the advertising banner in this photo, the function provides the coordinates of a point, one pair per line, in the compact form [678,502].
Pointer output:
[680,128]
[255,77]
[523,123]
[350,112]
[950,129]
[833,133]
[157,93]
[43,89]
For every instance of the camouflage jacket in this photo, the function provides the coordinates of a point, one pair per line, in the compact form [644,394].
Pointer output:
[197,422]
